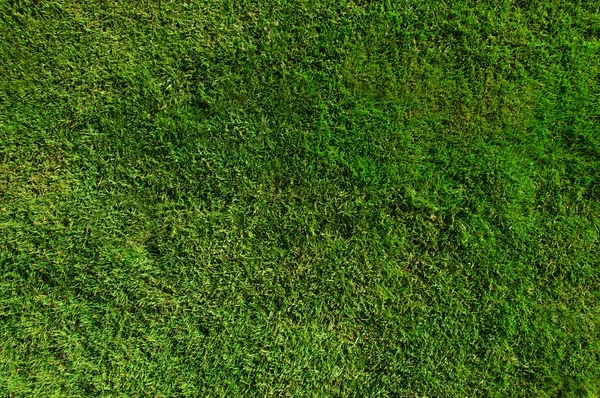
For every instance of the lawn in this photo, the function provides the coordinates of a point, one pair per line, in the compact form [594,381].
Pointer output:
[300,198]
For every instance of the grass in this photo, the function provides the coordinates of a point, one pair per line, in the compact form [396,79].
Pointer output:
[300,198]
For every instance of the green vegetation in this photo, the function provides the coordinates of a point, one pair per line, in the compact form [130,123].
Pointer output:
[300,198]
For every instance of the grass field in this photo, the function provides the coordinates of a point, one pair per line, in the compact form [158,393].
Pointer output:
[300,198]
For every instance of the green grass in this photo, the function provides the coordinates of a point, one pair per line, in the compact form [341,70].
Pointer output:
[300,198]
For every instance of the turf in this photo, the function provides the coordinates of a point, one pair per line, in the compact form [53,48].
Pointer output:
[300,198]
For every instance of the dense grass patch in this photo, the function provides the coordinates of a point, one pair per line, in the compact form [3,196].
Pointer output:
[299,198]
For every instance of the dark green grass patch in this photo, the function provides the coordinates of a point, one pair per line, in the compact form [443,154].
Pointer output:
[299,198]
